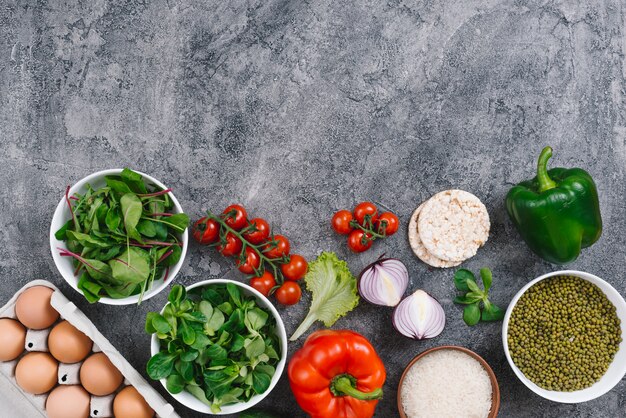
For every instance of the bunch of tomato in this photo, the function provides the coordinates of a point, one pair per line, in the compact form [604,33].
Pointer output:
[258,253]
[364,225]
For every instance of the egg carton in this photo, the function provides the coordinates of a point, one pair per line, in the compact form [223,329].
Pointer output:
[18,404]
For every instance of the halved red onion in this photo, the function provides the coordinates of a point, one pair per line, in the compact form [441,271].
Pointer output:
[384,282]
[419,316]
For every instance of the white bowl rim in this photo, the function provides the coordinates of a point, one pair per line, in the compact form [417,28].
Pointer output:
[72,280]
[602,386]
[191,401]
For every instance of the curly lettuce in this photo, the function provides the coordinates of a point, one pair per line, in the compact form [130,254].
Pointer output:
[333,289]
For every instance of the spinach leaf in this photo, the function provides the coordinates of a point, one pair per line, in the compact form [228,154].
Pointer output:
[132,266]
[131,213]
[134,181]
[116,184]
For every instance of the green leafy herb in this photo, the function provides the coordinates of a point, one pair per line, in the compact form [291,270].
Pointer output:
[478,307]
[216,343]
[334,291]
[121,236]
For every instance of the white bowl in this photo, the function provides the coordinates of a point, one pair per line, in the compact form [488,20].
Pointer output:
[616,370]
[62,215]
[194,403]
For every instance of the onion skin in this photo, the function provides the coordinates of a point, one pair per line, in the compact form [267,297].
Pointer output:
[419,316]
[384,282]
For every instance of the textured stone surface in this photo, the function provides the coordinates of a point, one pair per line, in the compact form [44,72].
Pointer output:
[297,109]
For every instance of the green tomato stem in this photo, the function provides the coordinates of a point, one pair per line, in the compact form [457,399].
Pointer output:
[245,243]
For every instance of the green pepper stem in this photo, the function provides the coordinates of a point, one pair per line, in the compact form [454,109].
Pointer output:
[545,182]
[344,385]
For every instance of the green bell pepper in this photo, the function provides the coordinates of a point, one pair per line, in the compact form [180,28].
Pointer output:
[557,213]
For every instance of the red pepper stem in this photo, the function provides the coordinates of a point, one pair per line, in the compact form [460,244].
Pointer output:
[344,385]
[545,182]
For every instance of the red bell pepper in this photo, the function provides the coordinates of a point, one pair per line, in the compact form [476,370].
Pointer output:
[337,374]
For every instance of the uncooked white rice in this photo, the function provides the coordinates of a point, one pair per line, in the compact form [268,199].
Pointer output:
[446,384]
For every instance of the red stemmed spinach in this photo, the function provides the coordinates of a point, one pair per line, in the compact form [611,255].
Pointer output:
[122,236]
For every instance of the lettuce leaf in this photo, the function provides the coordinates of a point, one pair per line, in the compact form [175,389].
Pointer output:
[333,289]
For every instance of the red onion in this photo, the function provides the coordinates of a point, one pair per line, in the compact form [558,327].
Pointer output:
[384,282]
[419,316]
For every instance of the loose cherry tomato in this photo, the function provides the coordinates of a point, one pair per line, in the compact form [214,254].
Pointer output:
[264,283]
[252,263]
[236,217]
[281,248]
[232,247]
[341,222]
[387,223]
[295,269]
[289,293]
[261,233]
[206,231]
[362,210]
[359,241]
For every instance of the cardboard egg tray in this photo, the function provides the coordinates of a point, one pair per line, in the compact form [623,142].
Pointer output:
[21,404]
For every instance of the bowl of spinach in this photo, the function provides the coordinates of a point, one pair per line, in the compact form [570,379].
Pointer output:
[118,236]
[218,346]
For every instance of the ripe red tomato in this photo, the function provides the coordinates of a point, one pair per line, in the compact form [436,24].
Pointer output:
[362,210]
[252,263]
[289,293]
[387,223]
[359,241]
[295,269]
[264,283]
[206,231]
[341,222]
[236,217]
[281,248]
[232,247]
[261,234]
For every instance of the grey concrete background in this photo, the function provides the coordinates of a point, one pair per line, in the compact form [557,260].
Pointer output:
[297,109]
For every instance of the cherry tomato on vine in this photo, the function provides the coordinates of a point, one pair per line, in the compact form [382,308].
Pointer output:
[206,231]
[362,210]
[232,247]
[261,233]
[359,241]
[264,283]
[387,223]
[236,217]
[281,248]
[288,293]
[341,222]
[295,269]
[252,263]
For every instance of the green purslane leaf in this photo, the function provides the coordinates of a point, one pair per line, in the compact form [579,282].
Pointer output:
[220,358]
[471,314]
[485,275]
[460,279]
[478,307]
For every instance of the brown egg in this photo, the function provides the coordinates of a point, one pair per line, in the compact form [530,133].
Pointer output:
[71,401]
[33,308]
[36,373]
[99,376]
[129,403]
[67,344]
[12,338]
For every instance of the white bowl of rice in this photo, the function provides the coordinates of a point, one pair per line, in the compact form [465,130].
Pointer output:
[448,382]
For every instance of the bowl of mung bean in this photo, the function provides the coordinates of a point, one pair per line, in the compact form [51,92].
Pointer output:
[563,335]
